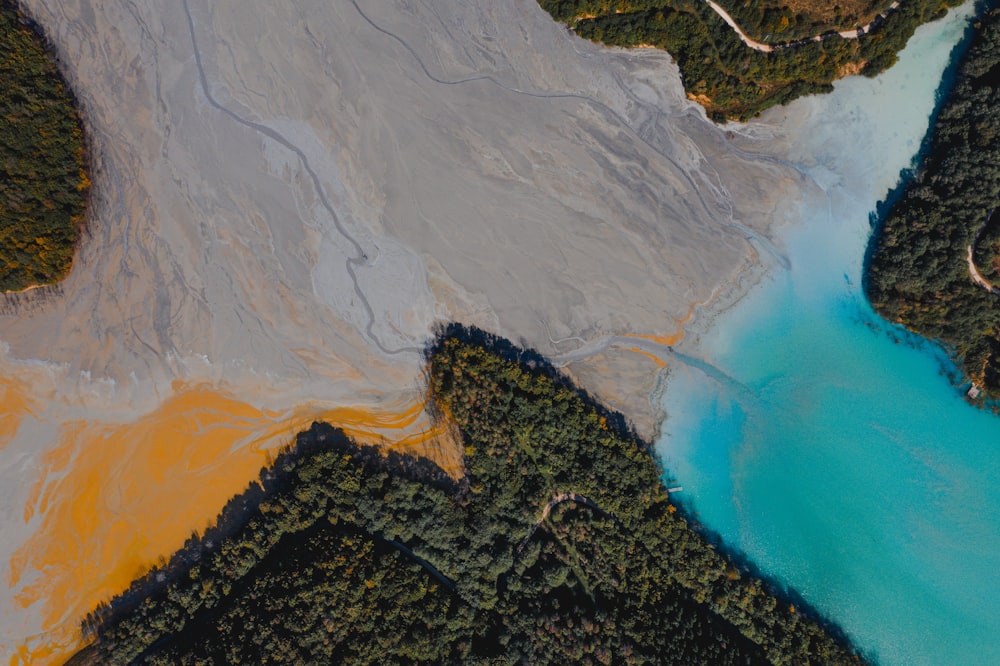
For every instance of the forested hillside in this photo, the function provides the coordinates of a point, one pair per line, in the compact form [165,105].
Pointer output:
[723,74]
[43,183]
[560,545]
[919,274]
[784,20]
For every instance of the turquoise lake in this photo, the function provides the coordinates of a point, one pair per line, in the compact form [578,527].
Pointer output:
[830,447]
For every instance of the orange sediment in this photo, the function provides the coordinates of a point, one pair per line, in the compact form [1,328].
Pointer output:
[112,499]
[14,405]
[660,363]
[672,339]
[665,340]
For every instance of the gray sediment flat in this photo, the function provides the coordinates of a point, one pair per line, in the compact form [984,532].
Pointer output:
[289,196]
[294,189]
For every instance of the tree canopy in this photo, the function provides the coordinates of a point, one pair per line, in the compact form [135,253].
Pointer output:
[43,180]
[723,74]
[919,273]
[559,545]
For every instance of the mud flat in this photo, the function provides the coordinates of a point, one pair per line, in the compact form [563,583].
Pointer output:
[287,198]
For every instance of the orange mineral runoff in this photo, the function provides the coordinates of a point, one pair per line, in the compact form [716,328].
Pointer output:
[112,499]
[14,405]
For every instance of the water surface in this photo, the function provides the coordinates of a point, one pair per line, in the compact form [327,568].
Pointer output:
[832,447]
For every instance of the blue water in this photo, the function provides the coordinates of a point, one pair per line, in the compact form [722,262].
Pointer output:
[830,446]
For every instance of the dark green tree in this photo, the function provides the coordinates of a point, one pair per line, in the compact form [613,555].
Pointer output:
[919,274]
[43,180]
[723,74]
[559,545]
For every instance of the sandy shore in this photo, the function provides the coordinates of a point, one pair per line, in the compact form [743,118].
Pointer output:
[288,197]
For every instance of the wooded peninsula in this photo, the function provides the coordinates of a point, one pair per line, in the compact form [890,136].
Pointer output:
[43,179]
[935,262]
[733,81]
[559,545]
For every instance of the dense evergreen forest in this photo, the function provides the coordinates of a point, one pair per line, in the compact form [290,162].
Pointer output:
[919,272]
[720,72]
[776,21]
[559,545]
[43,182]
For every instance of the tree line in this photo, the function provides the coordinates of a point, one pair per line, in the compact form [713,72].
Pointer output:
[778,21]
[342,554]
[918,274]
[729,79]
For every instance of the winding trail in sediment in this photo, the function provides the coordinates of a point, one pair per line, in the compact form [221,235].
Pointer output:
[749,235]
[360,257]
[652,347]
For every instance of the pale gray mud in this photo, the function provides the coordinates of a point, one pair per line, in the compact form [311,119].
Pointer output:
[289,196]
[295,189]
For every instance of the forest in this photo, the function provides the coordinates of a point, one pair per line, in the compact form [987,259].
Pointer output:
[721,73]
[559,545]
[918,273]
[786,20]
[43,176]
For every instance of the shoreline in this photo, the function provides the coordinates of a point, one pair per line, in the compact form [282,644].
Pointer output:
[833,394]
